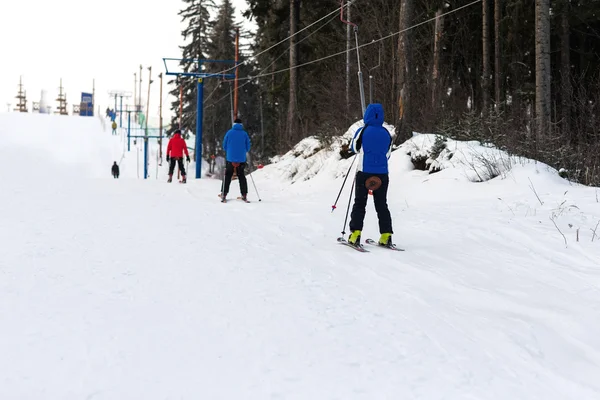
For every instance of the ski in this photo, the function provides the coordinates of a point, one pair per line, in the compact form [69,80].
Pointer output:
[360,247]
[390,247]
[242,199]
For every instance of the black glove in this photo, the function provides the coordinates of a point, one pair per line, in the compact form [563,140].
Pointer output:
[168,158]
[187,158]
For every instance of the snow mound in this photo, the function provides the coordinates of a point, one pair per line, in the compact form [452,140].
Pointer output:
[479,163]
[316,156]
[323,159]
[473,160]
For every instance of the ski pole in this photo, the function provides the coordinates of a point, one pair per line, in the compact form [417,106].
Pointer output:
[334,206]
[252,178]
[223,181]
[348,209]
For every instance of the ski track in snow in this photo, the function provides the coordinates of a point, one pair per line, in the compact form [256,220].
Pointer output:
[113,289]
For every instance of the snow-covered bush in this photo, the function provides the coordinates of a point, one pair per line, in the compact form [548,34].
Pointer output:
[329,158]
[434,153]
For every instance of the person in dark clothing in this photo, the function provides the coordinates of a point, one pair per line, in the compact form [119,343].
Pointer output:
[236,144]
[175,150]
[115,170]
[373,144]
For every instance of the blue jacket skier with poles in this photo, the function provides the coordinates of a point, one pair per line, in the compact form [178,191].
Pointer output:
[236,144]
[373,144]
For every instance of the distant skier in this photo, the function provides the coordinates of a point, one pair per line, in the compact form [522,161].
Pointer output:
[114,128]
[175,150]
[236,144]
[219,165]
[211,166]
[115,170]
[373,143]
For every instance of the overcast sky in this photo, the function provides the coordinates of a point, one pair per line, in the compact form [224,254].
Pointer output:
[44,41]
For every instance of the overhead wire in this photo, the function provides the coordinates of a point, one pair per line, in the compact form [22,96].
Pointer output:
[252,77]
[291,36]
[360,46]
[211,93]
[281,55]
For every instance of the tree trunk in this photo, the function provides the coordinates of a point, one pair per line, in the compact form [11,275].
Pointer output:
[497,61]
[393,86]
[272,77]
[565,73]
[437,48]
[292,105]
[542,66]
[405,70]
[348,47]
[485,82]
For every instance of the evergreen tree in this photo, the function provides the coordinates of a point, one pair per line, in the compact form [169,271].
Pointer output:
[272,20]
[219,93]
[317,109]
[196,38]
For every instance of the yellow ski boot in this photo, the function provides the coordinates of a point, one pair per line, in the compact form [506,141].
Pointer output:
[385,239]
[354,238]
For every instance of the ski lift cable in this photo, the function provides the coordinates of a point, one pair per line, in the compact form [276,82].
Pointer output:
[248,81]
[360,46]
[252,77]
[360,76]
[211,93]
[291,36]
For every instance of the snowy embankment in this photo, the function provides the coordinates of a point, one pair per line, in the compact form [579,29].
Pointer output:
[439,170]
[114,289]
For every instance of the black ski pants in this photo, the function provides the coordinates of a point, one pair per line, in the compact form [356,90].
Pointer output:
[379,197]
[229,168]
[178,160]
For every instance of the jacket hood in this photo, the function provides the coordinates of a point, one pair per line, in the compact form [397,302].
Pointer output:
[177,135]
[238,126]
[374,115]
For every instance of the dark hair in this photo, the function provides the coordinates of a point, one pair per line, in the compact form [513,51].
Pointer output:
[237,121]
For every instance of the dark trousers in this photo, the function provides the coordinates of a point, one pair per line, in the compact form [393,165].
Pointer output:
[379,197]
[229,168]
[178,160]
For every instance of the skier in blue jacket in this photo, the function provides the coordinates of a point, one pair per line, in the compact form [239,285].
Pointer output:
[373,144]
[236,144]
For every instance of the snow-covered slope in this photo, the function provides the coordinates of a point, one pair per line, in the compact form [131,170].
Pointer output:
[114,289]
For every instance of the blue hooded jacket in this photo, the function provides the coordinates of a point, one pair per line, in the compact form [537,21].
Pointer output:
[236,144]
[373,142]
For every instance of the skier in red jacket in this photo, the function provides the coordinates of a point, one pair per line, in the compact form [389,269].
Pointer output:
[175,150]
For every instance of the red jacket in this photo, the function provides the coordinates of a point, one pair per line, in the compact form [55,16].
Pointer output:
[176,147]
